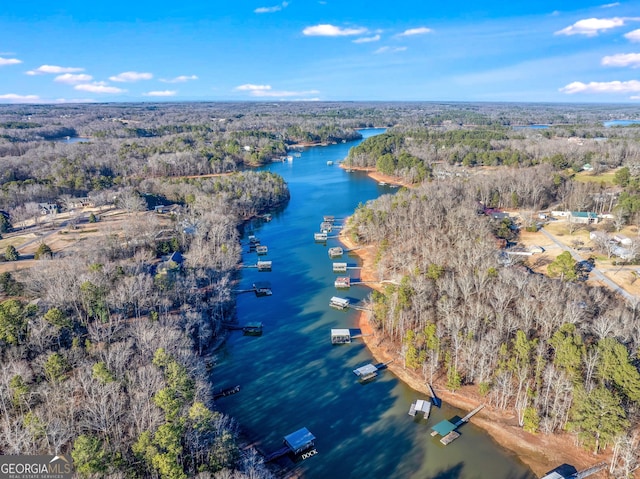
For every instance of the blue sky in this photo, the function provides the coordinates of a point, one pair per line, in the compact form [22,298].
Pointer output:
[273,50]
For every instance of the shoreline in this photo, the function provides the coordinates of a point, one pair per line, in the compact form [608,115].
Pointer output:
[540,452]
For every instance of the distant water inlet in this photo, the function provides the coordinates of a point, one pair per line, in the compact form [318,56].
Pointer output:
[298,375]
[611,123]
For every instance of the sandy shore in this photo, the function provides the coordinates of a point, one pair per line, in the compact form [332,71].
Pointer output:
[540,452]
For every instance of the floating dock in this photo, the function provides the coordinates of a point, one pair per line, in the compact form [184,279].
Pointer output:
[339,267]
[336,251]
[264,265]
[226,392]
[326,227]
[262,249]
[449,438]
[340,336]
[339,303]
[367,372]
[300,442]
[329,218]
[420,405]
[252,329]
[343,282]
[447,429]
[262,288]
[320,236]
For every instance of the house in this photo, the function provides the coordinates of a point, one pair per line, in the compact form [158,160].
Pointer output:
[83,202]
[48,208]
[622,239]
[171,262]
[583,217]
[599,236]
[623,253]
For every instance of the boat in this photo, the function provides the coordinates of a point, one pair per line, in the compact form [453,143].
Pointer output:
[329,163]
[289,158]
[382,183]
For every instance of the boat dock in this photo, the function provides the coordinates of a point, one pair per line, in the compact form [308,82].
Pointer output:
[335,251]
[340,336]
[261,265]
[343,282]
[369,371]
[226,392]
[339,303]
[320,236]
[339,267]
[262,288]
[447,429]
[249,329]
[300,442]
[264,265]
[420,405]
[261,249]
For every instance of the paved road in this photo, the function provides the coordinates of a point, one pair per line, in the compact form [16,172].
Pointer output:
[596,272]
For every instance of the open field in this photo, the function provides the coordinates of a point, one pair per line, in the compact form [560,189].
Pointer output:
[62,238]
[589,177]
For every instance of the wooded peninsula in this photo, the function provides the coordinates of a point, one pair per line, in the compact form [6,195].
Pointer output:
[509,268]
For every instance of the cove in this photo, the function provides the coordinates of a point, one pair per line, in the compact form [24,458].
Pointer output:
[292,377]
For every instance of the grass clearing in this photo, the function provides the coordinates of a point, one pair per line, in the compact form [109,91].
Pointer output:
[588,177]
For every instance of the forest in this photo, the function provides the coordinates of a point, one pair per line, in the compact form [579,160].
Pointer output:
[107,353]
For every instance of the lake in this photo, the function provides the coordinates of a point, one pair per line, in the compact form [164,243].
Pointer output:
[611,123]
[531,127]
[72,139]
[292,377]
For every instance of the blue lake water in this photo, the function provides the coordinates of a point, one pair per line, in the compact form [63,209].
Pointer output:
[611,123]
[292,377]
[72,139]
[531,127]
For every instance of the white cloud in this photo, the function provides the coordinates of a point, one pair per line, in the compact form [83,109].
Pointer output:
[9,61]
[98,87]
[179,79]
[73,78]
[390,50]
[633,36]
[374,38]
[161,93]
[326,30]
[634,97]
[631,86]
[265,91]
[252,87]
[622,60]
[54,69]
[609,5]
[131,77]
[273,9]
[592,26]
[415,31]
[74,100]
[14,98]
